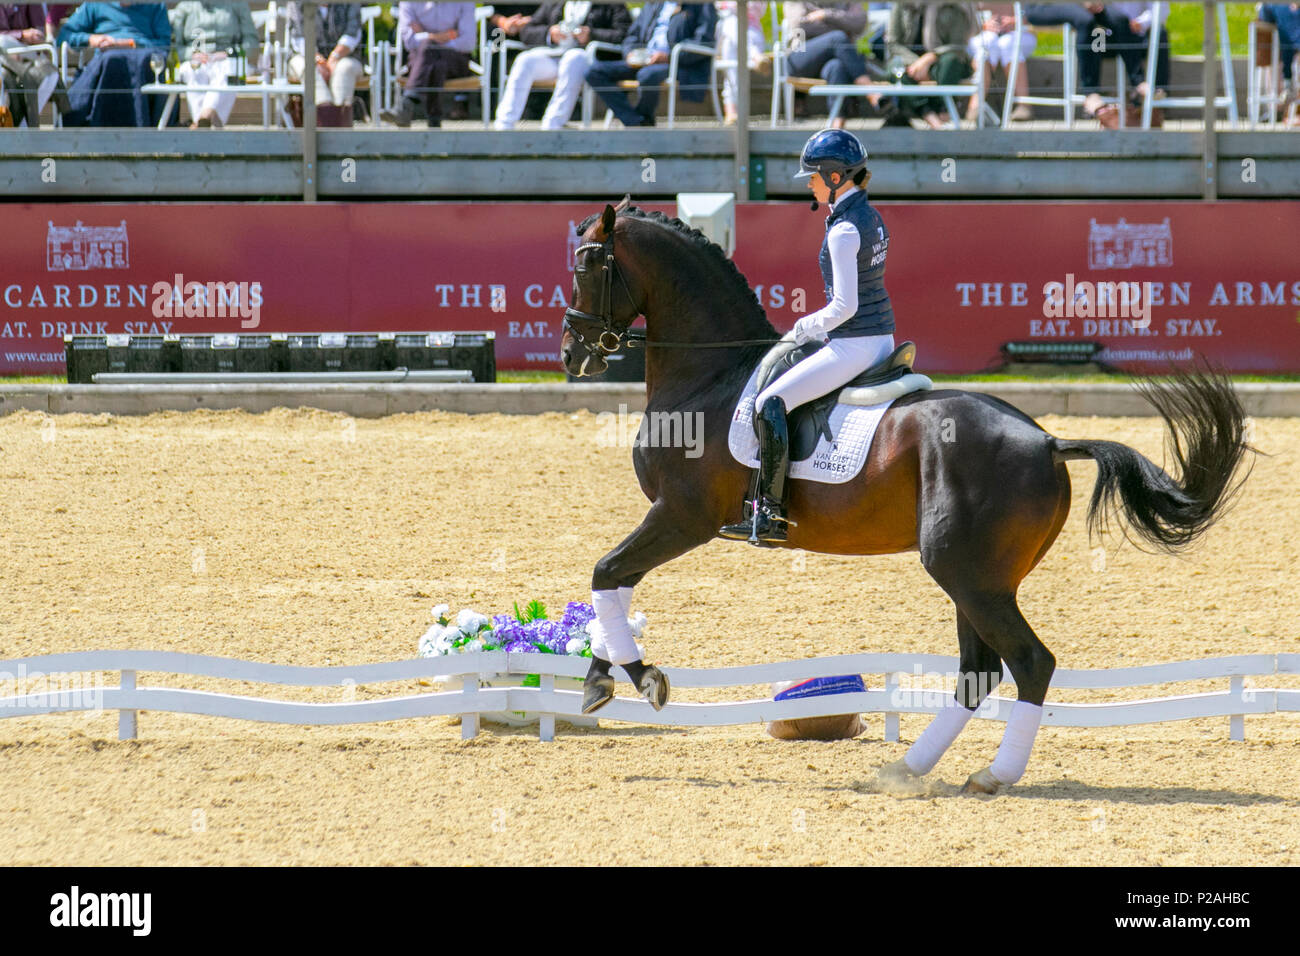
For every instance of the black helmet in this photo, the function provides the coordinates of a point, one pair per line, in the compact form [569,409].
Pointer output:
[832,151]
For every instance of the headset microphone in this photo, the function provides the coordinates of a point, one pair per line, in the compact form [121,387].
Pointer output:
[814,205]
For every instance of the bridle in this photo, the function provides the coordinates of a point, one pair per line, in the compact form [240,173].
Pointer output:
[602,338]
[606,339]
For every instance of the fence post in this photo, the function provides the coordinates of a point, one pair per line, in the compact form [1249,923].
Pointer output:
[891,719]
[469,719]
[546,723]
[126,719]
[1237,722]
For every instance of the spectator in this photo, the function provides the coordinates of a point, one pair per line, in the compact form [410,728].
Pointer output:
[997,42]
[727,49]
[558,26]
[30,79]
[823,43]
[209,31]
[646,51]
[929,42]
[438,39]
[107,91]
[1082,18]
[506,21]
[1286,16]
[338,38]
[29,24]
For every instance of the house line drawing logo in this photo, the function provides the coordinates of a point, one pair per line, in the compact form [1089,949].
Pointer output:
[81,248]
[1125,245]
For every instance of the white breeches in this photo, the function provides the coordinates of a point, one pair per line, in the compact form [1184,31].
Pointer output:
[826,369]
[342,82]
[540,64]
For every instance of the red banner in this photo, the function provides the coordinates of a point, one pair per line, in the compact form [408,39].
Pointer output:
[1215,279]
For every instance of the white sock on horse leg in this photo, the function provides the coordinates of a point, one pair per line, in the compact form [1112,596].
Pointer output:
[618,640]
[625,598]
[1018,739]
[937,738]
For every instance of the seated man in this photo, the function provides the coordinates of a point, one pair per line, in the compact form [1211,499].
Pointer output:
[438,39]
[107,91]
[657,28]
[206,31]
[928,42]
[30,79]
[554,27]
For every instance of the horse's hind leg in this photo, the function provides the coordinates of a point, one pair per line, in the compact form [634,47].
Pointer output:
[1005,631]
[980,673]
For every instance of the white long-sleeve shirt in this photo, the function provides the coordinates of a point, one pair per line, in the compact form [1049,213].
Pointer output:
[843,243]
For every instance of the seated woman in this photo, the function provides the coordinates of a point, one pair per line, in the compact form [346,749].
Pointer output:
[209,30]
[997,42]
[107,91]
[338,38]
[30,79]
[728,44]
[557,34]
[929,42]
[822,41]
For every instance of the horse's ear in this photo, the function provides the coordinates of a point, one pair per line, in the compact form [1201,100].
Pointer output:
[607,221]
[624,203]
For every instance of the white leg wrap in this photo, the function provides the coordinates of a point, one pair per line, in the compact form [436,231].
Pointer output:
[937,738]
[612,633]
[625,599]
[1013,754]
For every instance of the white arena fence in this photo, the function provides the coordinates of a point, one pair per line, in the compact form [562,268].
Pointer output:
[66,687]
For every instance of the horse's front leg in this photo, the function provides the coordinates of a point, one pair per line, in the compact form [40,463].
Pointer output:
[665,534]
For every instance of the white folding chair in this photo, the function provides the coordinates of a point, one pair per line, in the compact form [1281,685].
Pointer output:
[1069,76]
[1226,101]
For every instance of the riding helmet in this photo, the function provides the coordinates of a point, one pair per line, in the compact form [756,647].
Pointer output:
[832,151]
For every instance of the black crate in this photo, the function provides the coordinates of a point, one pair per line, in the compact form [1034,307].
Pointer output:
[88,355]
[473,351]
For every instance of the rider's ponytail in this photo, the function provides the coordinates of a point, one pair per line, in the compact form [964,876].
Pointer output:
[862,177]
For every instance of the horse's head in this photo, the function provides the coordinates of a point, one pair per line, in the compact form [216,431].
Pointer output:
[602,307]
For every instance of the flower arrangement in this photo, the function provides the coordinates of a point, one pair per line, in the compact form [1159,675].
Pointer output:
[528,631]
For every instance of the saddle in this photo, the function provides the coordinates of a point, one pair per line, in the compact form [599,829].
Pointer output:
[811,421]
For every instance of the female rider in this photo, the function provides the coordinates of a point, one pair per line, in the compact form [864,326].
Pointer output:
[857,323]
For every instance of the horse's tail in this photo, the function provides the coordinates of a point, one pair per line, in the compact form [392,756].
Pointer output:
[1207,439]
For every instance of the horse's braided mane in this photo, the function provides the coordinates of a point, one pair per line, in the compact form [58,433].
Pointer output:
[698,238]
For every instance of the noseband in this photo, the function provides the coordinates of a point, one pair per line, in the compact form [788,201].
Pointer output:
[601,338]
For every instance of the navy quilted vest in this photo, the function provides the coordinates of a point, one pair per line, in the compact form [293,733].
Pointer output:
[875,316]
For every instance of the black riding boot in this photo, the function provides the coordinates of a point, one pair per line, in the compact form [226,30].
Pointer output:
[765,519]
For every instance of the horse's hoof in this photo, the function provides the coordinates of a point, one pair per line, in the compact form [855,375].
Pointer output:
[653,686]
[982,782]
[897,772]
[597,691]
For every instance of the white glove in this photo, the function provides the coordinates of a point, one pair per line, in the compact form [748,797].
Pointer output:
[807,330]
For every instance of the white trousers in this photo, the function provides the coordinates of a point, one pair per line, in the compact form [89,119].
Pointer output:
[541,64]
[826,369]
[342,81]
[727,44]
[212,73]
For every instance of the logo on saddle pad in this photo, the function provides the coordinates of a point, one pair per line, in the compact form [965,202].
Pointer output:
[830,437]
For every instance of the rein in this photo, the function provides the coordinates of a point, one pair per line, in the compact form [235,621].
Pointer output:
[605,318]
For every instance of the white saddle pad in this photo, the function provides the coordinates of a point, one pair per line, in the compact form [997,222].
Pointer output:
[853,424]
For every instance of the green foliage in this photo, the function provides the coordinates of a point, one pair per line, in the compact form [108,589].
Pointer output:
[1184,26]
[534,611]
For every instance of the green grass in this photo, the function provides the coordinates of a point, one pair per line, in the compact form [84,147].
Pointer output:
[1184,26]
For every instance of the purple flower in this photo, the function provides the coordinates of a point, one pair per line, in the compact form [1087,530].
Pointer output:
[577,615]
[506,630]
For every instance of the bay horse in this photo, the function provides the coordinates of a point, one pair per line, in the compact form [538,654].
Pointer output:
[973,484]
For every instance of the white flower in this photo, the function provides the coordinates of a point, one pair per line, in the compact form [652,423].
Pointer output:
[471,622]
[575,645]
[432,643]
[440,612]
[472,647]
[637,622]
